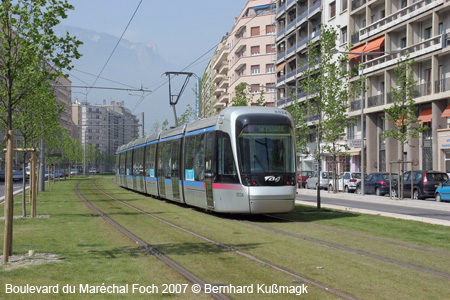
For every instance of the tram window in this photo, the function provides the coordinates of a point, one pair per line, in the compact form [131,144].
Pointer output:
[194,158]
[226,167]
[175,159]
[138,161]
[164,160]
[129,163]
[210,151]
[150,160]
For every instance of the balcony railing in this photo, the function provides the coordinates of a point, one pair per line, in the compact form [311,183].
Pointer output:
[355,105]
[399,16]
[355,38]
[421,90]
[421,48]
[442,86]
[375,100]
[357,3]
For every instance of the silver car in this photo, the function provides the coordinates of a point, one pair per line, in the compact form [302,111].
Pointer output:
[346,182]
[313,181]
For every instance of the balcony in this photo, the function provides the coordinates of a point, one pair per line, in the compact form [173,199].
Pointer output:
[398,17]
[421,90]
[355,105]
[377,100]
[357,4]
[442,86]
[421,48]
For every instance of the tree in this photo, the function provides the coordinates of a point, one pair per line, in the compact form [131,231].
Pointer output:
[402,113]
[244,96]
[205,109]
[326,83]
[31,57]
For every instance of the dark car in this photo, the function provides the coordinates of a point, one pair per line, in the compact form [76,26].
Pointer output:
[2,175]
[302,176]
[425,183]
[378,184]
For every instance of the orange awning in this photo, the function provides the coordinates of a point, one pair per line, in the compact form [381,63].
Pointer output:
[374,45]
[425,116]
[358,49]
[280,67]
[446,112]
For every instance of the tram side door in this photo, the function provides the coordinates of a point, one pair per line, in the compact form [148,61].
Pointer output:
[210,166]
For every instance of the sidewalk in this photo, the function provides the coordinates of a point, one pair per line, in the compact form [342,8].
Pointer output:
[430,204]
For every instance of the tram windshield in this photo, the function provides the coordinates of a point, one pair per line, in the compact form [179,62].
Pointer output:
[266,149]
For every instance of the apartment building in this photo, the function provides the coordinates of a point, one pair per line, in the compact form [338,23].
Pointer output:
[104,126]
[246,54]
[384,31]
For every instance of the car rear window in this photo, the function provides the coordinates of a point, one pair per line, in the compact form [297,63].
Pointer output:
[386,176]
[356,175]
[437,176]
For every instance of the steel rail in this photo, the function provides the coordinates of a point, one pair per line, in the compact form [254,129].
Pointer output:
[184,272]
[229,248]
[348,249]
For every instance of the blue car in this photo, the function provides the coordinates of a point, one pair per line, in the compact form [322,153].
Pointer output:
[443,191]
[378,184]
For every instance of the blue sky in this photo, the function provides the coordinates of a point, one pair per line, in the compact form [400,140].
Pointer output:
[182,30]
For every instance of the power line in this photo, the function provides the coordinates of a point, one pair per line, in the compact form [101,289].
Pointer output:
[115,47]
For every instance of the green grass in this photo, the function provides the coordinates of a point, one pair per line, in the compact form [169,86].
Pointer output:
[94,253]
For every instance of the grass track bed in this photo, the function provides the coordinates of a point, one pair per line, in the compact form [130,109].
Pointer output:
[105,255]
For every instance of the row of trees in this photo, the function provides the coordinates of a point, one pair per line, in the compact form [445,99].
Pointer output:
[32,58]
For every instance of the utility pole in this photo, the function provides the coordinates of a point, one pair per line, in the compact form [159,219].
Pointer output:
[174,98]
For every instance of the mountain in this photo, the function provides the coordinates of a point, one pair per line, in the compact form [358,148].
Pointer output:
[132,65]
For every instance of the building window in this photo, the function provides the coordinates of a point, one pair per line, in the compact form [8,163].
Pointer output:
[255,31]
[270,29]
[270,87]
[344,35]
[270,48]
[344,5]
[255,88]
[332,9]
[255,50]
[255,69]
[403,43]
[270,68]
[428,33]
[350,132]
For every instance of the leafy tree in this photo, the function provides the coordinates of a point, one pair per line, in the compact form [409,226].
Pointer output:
[326,82]
[244,96]
[402,113]
[187,116]
[207,97]
[31,57]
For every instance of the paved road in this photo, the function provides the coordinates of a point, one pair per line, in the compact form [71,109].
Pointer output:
[428,211]
[17,188]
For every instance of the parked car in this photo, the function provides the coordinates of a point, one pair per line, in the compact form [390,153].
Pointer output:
[17,175]
[2,175]
[313,182]
[302,176]
[425,183]
[443,191]
[346,182]
[378,184]
[74,172]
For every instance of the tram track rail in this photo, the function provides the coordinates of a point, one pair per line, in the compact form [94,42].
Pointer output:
[348,249]
[151,250]
[360,235]
[300,277]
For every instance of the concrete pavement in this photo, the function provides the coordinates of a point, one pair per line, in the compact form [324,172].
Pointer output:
[429,204]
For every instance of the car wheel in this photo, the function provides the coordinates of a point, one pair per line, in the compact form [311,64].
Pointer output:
[346,189]
[416,195]
[306,186]
[377,192]
[438,197]
[330,188]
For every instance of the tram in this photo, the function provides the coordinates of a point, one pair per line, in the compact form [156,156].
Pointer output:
[241,161]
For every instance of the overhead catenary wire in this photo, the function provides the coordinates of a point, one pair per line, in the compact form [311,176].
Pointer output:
[115,47]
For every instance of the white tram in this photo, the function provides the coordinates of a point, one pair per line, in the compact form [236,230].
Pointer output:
[240,161]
